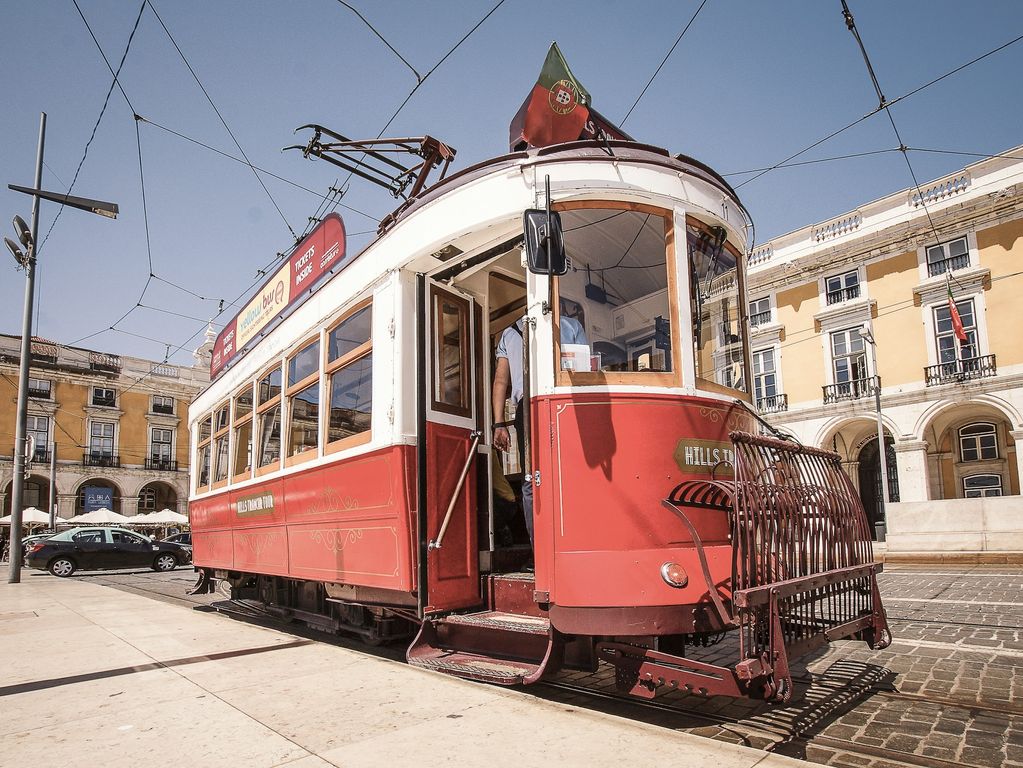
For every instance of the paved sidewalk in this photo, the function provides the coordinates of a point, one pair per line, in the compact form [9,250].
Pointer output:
[95,676]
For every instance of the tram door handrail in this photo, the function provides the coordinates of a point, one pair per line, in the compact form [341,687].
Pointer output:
[436,543]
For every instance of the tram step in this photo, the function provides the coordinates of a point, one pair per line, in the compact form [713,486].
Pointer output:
[514,593]
[492,646]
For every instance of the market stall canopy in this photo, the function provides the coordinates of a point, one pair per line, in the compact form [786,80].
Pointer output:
[102,515]
[29,516]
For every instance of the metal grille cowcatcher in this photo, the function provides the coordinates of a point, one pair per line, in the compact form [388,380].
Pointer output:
[803,570]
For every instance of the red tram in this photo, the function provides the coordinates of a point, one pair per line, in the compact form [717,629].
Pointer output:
[344,472]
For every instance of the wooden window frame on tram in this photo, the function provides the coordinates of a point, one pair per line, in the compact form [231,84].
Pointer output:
[671,378]
[223,433]
[201,443]
[330,367]
[237,422]
[289,392]
[259,410]
[464,353]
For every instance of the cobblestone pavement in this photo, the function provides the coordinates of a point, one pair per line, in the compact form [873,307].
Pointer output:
[947,692]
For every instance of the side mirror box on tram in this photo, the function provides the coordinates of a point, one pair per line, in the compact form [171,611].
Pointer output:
[539,242]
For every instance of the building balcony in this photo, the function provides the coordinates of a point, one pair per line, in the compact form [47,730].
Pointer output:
[851,390]
[981,367]
[40,456]
[39,393]
[842,294]
[161,465]
[101,460]
[773,403]
[163,410]
[935,268]
[760,318]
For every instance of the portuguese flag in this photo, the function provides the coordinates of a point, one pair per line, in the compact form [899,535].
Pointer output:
[953,311]
[558,107]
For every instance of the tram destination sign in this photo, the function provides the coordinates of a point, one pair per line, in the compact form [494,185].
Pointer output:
[321,254]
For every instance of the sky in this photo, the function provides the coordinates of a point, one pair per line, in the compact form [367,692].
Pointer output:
[750,84]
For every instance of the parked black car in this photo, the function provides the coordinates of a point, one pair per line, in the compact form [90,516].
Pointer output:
[104,548]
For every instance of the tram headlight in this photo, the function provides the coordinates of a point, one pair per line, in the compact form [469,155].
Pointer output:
[674,575]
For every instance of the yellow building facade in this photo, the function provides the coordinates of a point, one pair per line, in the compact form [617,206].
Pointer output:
[117,426]
[951,406]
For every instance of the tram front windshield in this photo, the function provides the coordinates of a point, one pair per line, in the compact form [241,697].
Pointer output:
[615,302]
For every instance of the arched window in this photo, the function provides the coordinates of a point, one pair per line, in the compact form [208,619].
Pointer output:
[976,486]
[147,499]
[978,442]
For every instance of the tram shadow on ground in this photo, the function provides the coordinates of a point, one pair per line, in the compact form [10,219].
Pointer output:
[823,693]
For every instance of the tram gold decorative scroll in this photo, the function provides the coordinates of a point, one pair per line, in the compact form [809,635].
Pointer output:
[320,254]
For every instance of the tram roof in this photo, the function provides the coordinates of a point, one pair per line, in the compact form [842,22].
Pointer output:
[590,151]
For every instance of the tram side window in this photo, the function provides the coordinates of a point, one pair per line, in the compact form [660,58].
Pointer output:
[615,302]
[349,374]
[268,420]
[242,467]
[222,424]
[718,329]
[304,402]
[202,454]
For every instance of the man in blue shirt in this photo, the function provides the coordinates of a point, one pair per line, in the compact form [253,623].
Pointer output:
[509,374]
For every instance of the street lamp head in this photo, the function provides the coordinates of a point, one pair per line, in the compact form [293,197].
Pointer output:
[866,335]
[24,233]
[12,246]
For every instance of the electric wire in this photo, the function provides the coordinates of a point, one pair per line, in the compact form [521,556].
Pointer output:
[815,161]
[859,120]
[102,110]
[663,61]
[222,120]
[384,41]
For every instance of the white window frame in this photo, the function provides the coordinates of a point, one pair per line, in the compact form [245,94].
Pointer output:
[153,403]
[34,381]
[93,397]
[113,450]
[979,314]
[921,253]
[765,309]
[153,443]
[860,284]
[976,438]
[147,491]
[983,492]
[776,372]
[830,347]
[34,430]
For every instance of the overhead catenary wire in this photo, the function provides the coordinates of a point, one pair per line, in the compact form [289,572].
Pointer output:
[891,102]
[664,61]
[221,117]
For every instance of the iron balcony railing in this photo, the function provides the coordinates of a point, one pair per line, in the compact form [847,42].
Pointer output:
[851,390]
[161,464]
[951,264]
[843,294]
[961,370]
[760,318]
[39,393]
[773,403]
[167,410]
[101,460]
[40,456]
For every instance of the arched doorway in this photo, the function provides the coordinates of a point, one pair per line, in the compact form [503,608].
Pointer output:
[156,496]
[870,478]
[36,494]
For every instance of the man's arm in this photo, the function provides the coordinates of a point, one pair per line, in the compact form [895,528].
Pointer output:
[502,380]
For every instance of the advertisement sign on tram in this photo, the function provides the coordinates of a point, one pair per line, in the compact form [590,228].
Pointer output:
[320,254]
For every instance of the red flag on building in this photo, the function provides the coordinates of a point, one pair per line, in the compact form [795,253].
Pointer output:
[957,322]
[558,107]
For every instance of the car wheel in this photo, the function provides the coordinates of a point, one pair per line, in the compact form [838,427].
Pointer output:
[165,562]
[62,567]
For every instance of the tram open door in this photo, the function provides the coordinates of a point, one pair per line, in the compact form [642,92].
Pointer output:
[449,454]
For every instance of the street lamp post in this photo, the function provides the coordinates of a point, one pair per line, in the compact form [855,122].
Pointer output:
[880,525]
[27,259]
